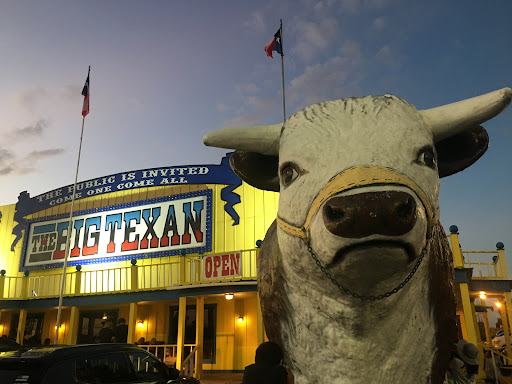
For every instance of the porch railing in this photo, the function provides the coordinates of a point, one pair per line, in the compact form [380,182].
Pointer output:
[185,271]
[168,352]
[485,264]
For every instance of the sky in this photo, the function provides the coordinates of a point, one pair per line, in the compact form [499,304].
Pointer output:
[164,73]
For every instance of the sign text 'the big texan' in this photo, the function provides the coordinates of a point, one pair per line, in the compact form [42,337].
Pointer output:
[151,228]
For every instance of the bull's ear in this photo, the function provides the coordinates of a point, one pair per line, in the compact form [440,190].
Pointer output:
[460,151]
[260,171]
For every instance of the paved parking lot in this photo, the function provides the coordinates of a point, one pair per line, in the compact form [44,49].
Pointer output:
[222,378]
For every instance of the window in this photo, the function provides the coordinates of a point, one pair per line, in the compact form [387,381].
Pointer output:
[61,372]
[210,329]
[111,368]
[147,368]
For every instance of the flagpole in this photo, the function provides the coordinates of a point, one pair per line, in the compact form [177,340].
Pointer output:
[68,240]
[282,69]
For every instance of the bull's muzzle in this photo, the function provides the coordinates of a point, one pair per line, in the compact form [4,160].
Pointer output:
[389,213]
[403,207]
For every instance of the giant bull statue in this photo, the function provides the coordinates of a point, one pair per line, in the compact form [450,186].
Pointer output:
[356,276]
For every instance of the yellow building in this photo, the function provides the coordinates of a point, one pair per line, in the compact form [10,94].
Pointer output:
[482,287]
[163,248]
[173,251]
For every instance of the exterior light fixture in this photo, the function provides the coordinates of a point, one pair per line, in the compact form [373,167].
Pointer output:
[60,326]
[482,295]
[240,319]
[140,324]
[498,304]
[229,296]
[105,317]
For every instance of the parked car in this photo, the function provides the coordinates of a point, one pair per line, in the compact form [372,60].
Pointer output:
[8,344]
[498,340]
[92,363]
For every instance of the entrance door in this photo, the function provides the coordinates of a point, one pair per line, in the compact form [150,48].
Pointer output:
[210,329]
[33,328]
[89,324]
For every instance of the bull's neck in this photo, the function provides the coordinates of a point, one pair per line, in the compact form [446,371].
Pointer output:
[352,341]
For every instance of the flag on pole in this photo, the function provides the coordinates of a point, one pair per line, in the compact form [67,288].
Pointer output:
[85,94]
[274,44]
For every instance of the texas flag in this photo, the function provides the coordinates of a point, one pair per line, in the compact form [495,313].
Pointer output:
[85,94]
[274,44]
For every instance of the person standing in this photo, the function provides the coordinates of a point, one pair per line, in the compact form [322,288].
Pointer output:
[464,366]
[106,334]
[268,367]
[121,331]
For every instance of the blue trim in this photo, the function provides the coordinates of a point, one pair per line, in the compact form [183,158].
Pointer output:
[109,259]
[131,297]
[461,275]
[153,177]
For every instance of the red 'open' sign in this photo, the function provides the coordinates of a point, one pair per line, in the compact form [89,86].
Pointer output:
[222,266]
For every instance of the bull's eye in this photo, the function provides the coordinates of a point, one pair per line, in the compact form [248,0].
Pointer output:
[427,156]
[289,172]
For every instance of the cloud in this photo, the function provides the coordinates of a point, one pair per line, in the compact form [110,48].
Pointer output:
[6,170]
[247,120]
[38,155]
[10,164]
[70,92]
[255,22]
[4,154]
[31,98]
[337,77]
[30,130]
[378,24]
[313,38]
[377,4]
[248,88]
[388,56]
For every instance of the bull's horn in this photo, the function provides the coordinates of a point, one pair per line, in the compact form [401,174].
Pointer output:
[451,119]
[263,139]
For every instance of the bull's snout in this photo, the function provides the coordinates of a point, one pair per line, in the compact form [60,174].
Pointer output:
[391,213]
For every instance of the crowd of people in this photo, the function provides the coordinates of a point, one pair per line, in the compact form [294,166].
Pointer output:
[109,334]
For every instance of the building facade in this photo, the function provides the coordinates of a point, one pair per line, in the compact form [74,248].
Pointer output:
[172,250]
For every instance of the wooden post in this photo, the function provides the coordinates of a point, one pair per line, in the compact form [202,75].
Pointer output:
[199,336]
[478,344]
[78,282]
[181,332]
[468,313]
[458,258]
[2,284]
[135,278]
[506,324]
[503,264]
[21,326]
[132,323]
[24,287]
[73,326]
[183,261]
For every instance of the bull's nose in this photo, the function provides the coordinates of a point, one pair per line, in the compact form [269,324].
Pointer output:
[391,213]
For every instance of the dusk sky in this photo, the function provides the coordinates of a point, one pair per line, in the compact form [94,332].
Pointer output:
[164,73]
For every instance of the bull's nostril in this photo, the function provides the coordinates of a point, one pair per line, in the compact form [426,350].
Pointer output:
[406,209]
[334,214]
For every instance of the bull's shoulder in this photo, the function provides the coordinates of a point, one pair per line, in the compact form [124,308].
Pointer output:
[271,286]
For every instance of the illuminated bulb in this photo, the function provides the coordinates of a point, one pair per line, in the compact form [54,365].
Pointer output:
[140,324]
[229,296]
[498,304]
[482,295]
[105,317]
[240,319]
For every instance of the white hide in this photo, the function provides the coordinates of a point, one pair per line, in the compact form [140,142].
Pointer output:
[336,338]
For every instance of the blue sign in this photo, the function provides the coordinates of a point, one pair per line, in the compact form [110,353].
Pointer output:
[179,175]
